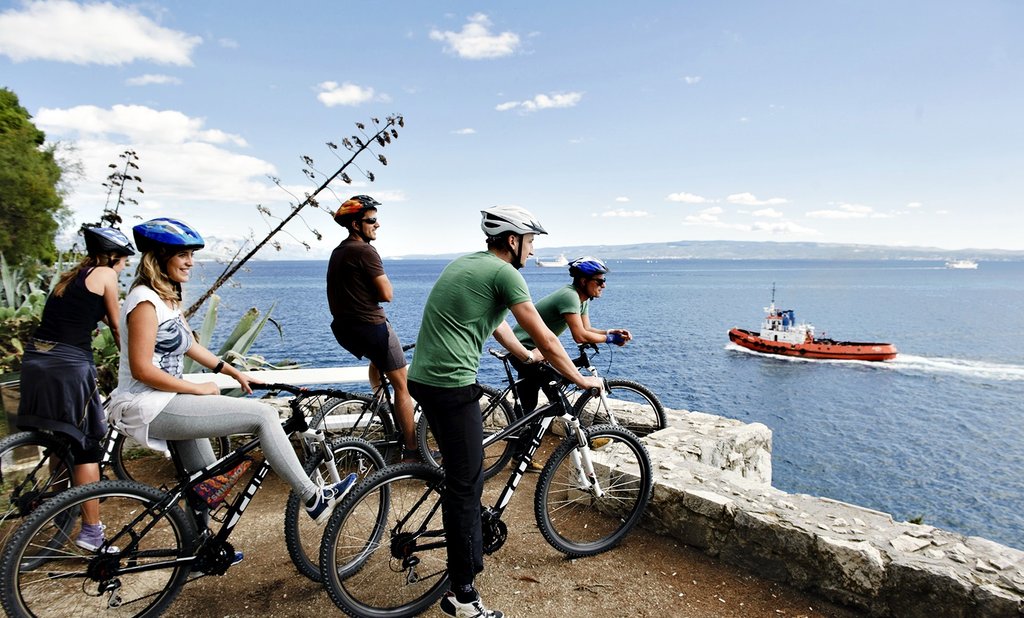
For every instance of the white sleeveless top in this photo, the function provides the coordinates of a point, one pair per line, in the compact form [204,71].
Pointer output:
[133,405]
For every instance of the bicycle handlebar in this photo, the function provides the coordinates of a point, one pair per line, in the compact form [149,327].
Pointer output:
[300,392]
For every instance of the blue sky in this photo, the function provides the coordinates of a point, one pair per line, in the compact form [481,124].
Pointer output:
[894,123]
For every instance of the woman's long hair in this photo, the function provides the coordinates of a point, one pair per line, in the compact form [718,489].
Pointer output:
[152,274]
[90,261]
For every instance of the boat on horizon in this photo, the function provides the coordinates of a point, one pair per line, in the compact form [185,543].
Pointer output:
[962,264]
[558,262]
[780,334]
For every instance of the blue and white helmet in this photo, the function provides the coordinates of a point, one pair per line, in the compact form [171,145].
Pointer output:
[587,266]
[100,240]
[166,233]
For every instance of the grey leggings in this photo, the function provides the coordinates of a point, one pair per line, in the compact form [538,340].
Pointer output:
[188,419]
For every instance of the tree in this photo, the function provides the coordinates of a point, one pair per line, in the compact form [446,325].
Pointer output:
[31,206]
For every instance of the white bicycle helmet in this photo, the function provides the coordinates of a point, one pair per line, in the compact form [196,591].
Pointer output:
[500,219]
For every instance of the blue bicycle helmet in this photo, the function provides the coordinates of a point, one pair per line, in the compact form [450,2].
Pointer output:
[99,240]
[166,233]
[587,266]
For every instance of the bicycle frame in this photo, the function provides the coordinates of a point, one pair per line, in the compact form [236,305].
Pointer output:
[296,423]
[542,418]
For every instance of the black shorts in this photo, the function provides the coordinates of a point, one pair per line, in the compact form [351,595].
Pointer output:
[377,342]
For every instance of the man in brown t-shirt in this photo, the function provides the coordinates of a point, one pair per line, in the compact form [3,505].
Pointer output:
[356,285]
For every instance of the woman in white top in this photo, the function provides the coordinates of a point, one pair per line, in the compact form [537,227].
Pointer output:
[152,402]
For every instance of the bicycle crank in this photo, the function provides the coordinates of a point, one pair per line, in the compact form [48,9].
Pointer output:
[495,532]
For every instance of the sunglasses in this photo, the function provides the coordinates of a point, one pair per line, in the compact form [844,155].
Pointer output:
[370,220]
[599,281]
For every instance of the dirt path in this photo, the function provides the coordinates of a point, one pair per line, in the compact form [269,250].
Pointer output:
[648,575]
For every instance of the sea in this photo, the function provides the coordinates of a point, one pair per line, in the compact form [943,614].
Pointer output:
[936,434]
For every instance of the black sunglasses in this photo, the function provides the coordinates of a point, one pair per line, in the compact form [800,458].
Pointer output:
[370,220]
[599,281]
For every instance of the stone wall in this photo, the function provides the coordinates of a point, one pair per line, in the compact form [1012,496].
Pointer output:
[713,491]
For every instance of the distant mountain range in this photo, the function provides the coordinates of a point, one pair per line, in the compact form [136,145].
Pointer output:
[742,250]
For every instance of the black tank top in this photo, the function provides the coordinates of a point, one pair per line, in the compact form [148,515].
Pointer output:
[71,318]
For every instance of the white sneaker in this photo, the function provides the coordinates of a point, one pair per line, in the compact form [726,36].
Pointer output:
[451,607]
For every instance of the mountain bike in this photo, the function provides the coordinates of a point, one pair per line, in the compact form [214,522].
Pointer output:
[384,548]
[157,539]
[640,410]
[37,465]
[368,416]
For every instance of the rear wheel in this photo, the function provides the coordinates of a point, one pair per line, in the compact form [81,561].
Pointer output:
[571,515]
[44,573]
[496,414]
[384,552]
[360,416]
[34,467]
[634,405]
[301,533]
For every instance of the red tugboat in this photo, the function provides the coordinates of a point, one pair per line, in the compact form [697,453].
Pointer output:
[780,334]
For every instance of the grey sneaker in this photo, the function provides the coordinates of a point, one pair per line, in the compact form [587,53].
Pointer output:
[451,607]
[328,497]
[91,538]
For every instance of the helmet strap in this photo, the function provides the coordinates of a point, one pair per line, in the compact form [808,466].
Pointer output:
[517,255]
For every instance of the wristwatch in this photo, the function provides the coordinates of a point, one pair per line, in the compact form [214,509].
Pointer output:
[529,360]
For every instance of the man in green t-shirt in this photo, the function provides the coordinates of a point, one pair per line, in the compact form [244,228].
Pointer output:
[467,304]
[567,307]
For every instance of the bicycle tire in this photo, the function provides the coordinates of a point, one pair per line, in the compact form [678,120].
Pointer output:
[74,581]
[643,413]
[359,417]
[395,512]
[34,467]
[496,414]
[302,535]
[574,520]
[132,461]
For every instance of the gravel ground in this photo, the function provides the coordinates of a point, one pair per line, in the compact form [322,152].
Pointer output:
[648,575]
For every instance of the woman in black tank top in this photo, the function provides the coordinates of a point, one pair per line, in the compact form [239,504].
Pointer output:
[59,392]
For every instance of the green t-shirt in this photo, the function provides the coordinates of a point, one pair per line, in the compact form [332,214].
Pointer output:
[468,301]
[552,309]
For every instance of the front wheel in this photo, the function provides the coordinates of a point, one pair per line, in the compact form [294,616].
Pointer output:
[301,533]
[496,414]
[384,551]
[44,573]
[634,407]
[571,514]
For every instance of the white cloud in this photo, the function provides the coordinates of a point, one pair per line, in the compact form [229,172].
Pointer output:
[333,94]
[914,205]
[543,101]
[782,227]
[151,78]
[622,212]
[97,33]
[692,79]
[183,164]
[475,41]
[466,131]
[749,199]
[847,211]
[139,124]
[686,198]
[767,212]
[622,198]
[705,217]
